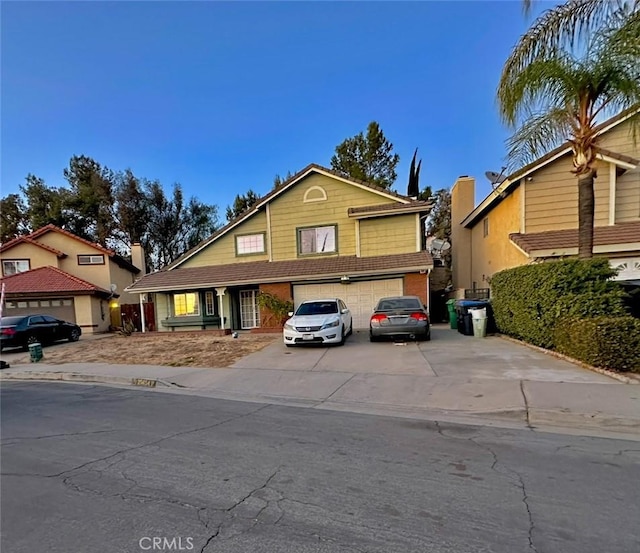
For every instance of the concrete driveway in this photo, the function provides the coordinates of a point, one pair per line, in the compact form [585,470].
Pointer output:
[448,355]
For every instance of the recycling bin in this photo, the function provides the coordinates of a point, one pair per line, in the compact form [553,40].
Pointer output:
[453,318]
[35,352]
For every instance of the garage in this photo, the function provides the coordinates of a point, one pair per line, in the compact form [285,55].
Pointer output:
[360,297]
[60,308]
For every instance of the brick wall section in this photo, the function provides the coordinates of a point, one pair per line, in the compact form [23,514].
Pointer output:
[284,291]
[415,284]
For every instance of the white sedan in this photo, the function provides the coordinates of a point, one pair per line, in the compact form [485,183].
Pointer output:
[318,322]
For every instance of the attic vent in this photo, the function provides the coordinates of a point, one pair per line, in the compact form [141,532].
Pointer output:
[314,194]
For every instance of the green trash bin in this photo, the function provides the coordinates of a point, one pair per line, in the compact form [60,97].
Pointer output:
[453,317]
[35,352]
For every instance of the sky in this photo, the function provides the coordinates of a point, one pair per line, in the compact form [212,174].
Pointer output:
[222,96]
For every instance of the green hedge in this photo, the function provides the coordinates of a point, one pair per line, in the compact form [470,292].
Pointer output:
[608,342]
[529,301]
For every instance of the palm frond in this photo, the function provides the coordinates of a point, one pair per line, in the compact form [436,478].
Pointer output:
[539,134]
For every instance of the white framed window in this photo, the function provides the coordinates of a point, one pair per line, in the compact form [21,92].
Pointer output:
[317,240]
[14,266]
[186,304]
[91,260]
[250,243]
[209,302]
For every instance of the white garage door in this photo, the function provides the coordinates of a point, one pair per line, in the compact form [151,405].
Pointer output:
[360,297]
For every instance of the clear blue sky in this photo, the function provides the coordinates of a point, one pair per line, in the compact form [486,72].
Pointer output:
[222,96]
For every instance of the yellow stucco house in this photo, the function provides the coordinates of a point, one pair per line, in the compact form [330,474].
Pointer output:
[54,272]
[317,235]
[532,215]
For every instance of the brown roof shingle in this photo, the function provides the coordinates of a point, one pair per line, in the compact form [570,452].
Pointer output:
[48,280]
[423,206]
[622,233]
[258,272]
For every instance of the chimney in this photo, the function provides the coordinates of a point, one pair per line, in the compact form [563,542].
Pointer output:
[462,203]
[137,258]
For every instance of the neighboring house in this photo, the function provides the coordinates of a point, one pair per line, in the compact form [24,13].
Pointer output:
[532,215]
[318,235]
[55,272]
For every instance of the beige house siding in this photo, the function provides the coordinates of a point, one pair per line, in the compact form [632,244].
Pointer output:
[161,306]
[495,252]
[628,196]
[223,250]
[620,139]
[122,278]
[552,197]
[388,235]
[89,313]
[289,212]
[37,257]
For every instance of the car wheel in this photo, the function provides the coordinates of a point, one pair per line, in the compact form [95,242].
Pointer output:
[31,339]
[373,338]
[350,329]
[343,337]
[74,335]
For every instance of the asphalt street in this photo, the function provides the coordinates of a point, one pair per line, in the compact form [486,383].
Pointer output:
[98,469]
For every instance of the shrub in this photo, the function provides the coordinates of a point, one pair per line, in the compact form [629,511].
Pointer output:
[276,307]
[529,301]
[608,342]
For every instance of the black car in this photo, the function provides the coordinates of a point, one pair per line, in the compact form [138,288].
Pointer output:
[29,329]
[400,316]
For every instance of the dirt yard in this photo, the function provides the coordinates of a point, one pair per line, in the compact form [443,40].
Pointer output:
[172,349]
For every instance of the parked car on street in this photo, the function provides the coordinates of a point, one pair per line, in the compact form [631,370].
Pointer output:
[20,331]
[400,316]
[318,322]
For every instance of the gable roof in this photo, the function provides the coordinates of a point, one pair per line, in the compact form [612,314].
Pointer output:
[562,240]
[259,272]
[31,239]
[28,240]
[49,280]
[513,180]
[299,176]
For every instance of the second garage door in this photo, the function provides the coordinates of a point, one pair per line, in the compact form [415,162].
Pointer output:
[360,297]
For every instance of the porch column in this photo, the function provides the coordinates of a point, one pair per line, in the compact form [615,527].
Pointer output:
[220,292]
[142,321]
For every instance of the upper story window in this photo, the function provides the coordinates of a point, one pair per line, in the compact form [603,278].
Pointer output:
[317,240]
[250,243]
[13,266]
[186,304]
[485,227]
[91,260]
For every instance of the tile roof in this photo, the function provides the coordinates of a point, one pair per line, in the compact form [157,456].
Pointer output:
[257,272]
[31,239]
[413,206]
[621,233]
[275,192]
[49,280]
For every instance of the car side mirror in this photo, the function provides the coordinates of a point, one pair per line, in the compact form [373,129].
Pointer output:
[290,314]
[344,311]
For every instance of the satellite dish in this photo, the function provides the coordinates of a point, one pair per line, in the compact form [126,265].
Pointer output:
[496,178]
[440,245]
[113,288]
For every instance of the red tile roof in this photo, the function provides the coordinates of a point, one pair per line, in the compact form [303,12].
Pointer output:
[622,233]
[48,280]
[261,272]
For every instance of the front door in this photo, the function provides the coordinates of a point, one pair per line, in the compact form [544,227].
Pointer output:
[249,312]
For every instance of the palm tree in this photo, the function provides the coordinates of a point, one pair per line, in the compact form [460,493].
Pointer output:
[553,95]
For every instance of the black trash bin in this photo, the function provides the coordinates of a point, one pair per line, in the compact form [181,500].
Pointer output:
[465,323]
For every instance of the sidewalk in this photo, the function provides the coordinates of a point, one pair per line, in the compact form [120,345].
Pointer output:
[590,408]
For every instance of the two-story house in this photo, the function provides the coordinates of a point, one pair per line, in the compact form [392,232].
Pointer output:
[54,272]
[318,235]
[532,216]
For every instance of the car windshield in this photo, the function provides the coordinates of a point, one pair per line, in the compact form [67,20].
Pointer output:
[318,308]
[398,303]
[10,321]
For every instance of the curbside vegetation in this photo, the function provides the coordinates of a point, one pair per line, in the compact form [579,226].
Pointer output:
[570,306]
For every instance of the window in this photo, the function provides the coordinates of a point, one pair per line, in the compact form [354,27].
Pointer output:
[186,304]
[485,227]
[91,260]
[317,240]
[210,306]
[250,243]
[14,266]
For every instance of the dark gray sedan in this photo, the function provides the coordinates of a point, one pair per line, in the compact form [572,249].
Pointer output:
[20,331]
[400,316]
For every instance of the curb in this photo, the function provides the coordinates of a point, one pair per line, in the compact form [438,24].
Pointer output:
[606,372]
[79,377]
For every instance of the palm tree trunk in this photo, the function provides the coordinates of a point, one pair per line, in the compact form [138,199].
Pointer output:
[586,207]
